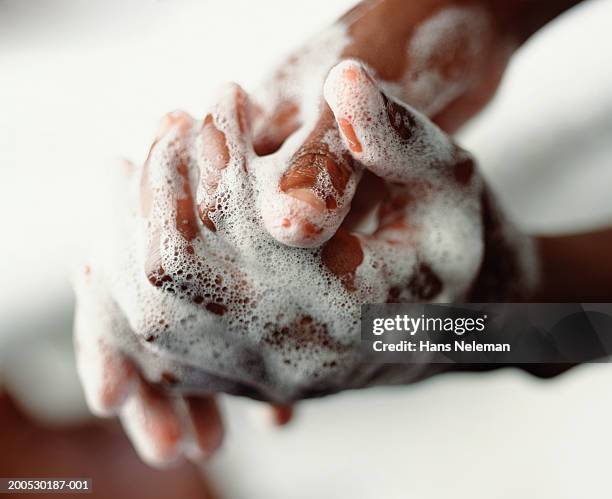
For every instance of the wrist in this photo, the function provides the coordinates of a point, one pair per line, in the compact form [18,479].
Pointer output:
[520,19]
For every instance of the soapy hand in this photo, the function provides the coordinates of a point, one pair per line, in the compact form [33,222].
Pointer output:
[444,59]
[240,252]
[194,297]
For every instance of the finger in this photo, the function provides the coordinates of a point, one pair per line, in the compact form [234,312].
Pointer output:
[388,137]
[271,130]
[107,376]
[180,257]
[374,266]
[281,414]
[367,266]
[312,196]
[277,108]
[342,255]
[153,425]
[421,248]
[371,191]
[430,240]
[429,226]
[166,199]
[267,414]
[395,243]
[223,145]
[207,425]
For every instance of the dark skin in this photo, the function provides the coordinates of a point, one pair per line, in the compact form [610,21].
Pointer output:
[93,449]
[385,51]
[444,58]
[574,268]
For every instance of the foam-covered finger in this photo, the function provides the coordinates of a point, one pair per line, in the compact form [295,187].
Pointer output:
[223,145]
[388,137]
[207,426]
[272,129]
[166,199]
[166,192]
[313,194]
[395,223]
[431,239]
[107,375]
[364,264]
[384,256]
[150,419]
[181,258]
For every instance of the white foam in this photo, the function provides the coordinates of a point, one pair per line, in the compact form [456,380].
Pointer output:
[269,291]
[466,28]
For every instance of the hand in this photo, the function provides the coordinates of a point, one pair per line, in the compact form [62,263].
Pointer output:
[442,59]
[193,298]
[154,346]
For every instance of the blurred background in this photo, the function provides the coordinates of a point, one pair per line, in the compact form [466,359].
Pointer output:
[83,83]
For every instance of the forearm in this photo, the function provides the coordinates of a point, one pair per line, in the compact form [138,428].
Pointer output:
[446,56]
[443,57]
[383,27]
[576,268]
[522,18]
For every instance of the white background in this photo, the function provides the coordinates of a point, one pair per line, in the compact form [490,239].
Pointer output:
[82,83]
